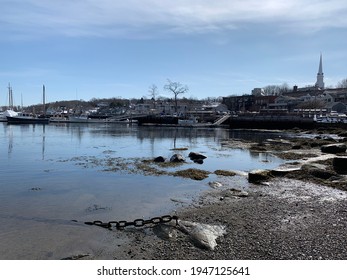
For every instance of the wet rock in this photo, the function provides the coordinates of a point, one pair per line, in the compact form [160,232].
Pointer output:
[177,158]
[317,172]
[159,159]
[196,156]
[192,173]
[258,176]
[333,148]
[215,185]
[225,172]
[202,235]
[238,193]
[340,165]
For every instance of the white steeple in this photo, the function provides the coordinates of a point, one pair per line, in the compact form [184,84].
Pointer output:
[320,75]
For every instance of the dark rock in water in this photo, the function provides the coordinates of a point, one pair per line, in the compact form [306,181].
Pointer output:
[258,176]
[159,159]
[340,165]
[177,158]
[198,161]
[333,148]
[196,156]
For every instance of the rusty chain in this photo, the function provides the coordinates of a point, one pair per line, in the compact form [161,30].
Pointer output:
[135,223]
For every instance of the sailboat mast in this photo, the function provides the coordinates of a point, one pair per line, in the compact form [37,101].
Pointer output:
[10,96]
[44,99]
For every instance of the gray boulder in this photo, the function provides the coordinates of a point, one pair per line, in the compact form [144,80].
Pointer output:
[258,176]
[177,158]
[333,148]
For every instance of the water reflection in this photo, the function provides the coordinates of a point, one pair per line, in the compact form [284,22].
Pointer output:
[52,185]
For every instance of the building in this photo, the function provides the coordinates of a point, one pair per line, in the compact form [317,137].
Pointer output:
[320,76]
[311,97]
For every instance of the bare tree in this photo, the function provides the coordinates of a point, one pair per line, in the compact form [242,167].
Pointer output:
[276,89]
[153,92]
[176,89]
[342,84]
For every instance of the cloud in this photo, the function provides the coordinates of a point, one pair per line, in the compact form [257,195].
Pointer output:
[133,18]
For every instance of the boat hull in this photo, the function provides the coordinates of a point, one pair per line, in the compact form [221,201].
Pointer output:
[27,120]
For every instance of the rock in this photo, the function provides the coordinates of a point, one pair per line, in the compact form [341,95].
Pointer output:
[296,147]
[159,159]
[340,165]
[333,148]
[258,176]
[196,156]
[239,193]
[225,172]
[215,185]
[165,232]
[202,235]
[192,173]
[177,158]
[317,172]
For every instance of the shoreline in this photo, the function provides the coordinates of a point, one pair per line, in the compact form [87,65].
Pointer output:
[294,215]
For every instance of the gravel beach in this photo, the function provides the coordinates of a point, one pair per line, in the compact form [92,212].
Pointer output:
[284,219]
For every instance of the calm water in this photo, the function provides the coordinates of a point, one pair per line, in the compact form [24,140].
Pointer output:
[46,180]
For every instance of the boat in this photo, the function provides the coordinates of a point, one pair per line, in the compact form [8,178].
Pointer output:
[190,121]
[23,118]
[7,113]
[78,119]
[331,118]
[27,118]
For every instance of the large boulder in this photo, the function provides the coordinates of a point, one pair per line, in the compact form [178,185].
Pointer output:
[177,158]
[195,156]
[340,165]
[333,148]
[258,176]
[203,235]
[159,159]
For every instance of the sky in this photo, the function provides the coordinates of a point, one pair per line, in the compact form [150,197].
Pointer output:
[84,49]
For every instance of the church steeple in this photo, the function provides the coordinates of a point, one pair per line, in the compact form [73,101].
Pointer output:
[320,75]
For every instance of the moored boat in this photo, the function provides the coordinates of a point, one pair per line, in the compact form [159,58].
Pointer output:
[27,119]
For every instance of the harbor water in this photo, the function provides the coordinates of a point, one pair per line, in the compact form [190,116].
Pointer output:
[53,174]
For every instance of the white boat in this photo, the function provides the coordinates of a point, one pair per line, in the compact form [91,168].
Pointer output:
[331,118]
[7,113]
[23,118]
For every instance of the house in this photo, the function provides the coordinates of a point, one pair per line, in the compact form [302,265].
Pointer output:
[337,107]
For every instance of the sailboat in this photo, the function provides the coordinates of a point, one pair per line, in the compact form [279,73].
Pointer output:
[9,112]
[24,118]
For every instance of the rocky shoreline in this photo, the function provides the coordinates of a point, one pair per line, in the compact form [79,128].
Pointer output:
[295,212]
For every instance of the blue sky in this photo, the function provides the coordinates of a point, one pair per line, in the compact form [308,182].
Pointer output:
[110,48]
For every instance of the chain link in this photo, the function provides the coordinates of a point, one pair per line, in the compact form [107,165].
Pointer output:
[135,223]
